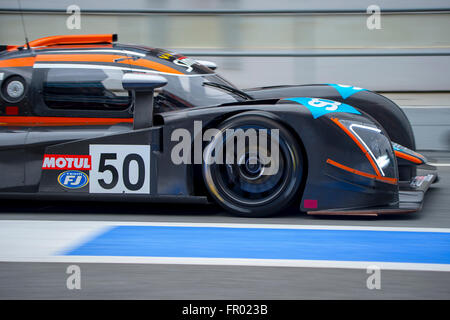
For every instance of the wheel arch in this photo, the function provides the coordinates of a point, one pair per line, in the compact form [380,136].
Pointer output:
[199,184]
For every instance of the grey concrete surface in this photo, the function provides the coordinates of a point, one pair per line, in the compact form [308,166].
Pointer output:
[373,73]
[268,33]
[229,4]
[429,114]
[422,99]
[431,126]
[128,281]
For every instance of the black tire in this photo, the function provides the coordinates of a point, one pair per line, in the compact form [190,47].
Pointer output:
[253,190]
[14,89]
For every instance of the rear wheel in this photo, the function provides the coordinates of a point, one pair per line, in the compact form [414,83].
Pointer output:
[253,179]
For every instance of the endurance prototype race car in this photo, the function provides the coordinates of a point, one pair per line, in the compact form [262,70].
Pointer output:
[85,118]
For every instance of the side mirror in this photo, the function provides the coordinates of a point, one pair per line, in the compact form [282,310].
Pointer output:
[208,64]
[143,86]
[142,82]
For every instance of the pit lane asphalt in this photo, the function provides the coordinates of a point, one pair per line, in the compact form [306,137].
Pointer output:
[36,280]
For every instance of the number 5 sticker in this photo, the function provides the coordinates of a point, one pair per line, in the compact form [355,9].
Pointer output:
[119,168]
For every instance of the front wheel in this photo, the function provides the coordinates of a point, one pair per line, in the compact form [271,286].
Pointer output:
[253,166]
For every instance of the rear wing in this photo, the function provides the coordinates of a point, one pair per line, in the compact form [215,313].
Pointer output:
[67,39]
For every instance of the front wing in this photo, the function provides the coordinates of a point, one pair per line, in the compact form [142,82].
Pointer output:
[411,197]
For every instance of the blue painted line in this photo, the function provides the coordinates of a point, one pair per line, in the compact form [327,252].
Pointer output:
[253,243]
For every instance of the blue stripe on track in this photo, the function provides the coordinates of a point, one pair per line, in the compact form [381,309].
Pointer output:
[254,243]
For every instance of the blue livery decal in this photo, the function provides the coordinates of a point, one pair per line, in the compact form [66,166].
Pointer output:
[346,91]
[73,179]
[319,107]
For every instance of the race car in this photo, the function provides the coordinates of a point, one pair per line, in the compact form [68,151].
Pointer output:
[85,118]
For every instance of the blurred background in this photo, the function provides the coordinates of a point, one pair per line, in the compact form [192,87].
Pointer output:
[262,42]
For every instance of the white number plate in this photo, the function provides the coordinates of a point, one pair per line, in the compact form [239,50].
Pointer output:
[119,168]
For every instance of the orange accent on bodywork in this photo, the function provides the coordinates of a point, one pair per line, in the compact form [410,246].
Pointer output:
[66,46]
[59,121]
[79,57]
[152,65]
[17,62]
[361,173]
[78,46]
[73,39]
[107,58]
[363,149]
[408,157]
[69,39]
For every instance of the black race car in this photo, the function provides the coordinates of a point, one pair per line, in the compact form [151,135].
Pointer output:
[85,118]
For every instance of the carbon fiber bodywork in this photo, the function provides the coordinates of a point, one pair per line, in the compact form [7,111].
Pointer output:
[385,111]
[336,172]
[321,140]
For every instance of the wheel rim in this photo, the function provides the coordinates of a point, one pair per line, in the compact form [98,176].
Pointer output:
[15,89]
[246,182]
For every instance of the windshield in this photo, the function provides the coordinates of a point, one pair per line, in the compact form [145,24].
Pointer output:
[191,91]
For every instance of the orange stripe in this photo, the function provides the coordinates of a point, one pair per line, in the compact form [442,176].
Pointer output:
[72,39]
[59,121]
[69,39]
[361,173]
[152,65]
[107,58]
[17,62]
[80,57]
[57,46]
[363,149]
[77,46]
[408,157]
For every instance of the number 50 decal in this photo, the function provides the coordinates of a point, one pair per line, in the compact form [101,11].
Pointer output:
[119,168]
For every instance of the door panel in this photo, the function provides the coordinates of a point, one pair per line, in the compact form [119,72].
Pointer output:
[12,158]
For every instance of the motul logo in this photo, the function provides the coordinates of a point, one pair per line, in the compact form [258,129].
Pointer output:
[66,162]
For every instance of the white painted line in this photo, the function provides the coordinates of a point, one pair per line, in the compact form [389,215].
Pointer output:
[440,164]
[37,239]
[425,107]
[238,262]
[96,224]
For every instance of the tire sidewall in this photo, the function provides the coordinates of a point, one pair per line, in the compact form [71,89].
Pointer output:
[294,165]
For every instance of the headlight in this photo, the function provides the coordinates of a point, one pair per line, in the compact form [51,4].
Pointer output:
[376,144]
